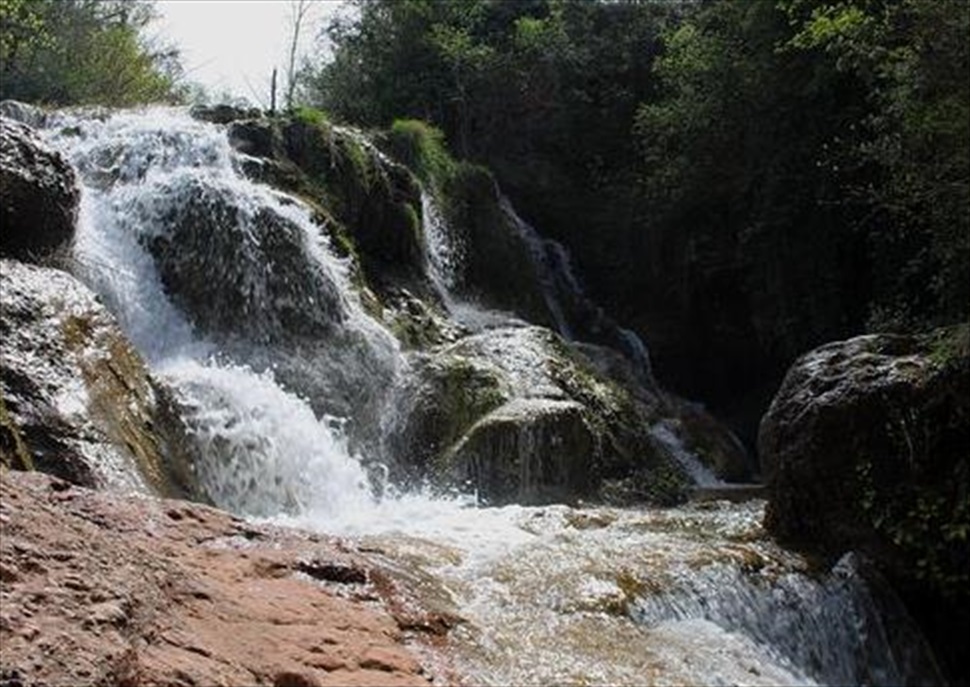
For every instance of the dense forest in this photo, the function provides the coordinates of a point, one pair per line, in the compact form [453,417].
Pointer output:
[738,181]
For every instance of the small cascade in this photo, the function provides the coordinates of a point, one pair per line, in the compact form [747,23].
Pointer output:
[843,641]
[576,316]
[666,434]
[552,267]
[444,254]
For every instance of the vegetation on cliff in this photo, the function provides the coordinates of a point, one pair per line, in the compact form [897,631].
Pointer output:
[741,181]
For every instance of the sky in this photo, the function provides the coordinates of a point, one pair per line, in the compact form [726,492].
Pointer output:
[231,46]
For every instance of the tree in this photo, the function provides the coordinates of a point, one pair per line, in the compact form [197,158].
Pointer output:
[299,11]
[83,51]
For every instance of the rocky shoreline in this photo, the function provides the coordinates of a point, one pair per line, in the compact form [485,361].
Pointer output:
[105,588]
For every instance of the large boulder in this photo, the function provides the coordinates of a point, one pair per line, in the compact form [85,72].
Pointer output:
[107,589]
[865,447]
[38,194]
[75,398]
[516,414]
[223,259]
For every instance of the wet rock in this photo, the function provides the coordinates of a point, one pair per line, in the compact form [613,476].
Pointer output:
[865,448]
[714,444]
[249,628]
[74,393]
[528,451]
[38,195]
[223,114]
[223,261]
[24,113]
[499,270]
[255,137]
[332,572]
[517,415]
[377,201]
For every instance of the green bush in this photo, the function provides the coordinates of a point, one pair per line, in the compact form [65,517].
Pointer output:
[422,148]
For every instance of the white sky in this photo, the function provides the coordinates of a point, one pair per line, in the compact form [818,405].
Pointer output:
[231,46]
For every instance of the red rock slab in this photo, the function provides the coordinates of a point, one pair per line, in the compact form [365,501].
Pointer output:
[111,589]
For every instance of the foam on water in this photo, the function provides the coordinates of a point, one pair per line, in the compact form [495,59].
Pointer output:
[262,450]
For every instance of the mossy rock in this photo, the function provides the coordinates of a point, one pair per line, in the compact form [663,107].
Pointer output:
[526,451]
[516,414]
[77,399]
[221,263]
[14,453]
[865,448]
[444,395]
[499,270]
[373,203]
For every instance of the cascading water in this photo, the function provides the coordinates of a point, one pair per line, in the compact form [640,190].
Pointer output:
[163,202]
[234,298]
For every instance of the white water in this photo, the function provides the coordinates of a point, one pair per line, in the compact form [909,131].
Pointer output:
[549,595]
[702,475]
[263,449]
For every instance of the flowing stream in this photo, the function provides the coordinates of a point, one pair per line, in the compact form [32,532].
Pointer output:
[187,253]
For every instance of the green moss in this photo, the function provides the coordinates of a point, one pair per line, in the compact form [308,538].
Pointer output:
[928,525]
[310,115]
[421,147]
[13,449]
[949,345]
[466,394]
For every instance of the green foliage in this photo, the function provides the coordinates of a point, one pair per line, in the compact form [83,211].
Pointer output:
[929,525]
[913,58]
[82,52]
[310,116]
[422,148]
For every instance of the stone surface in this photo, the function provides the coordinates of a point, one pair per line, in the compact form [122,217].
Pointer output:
[223,261]
[24,113]
[516,414]
[370,204]
[223,113]
[38,195]
[75,392]
[98,588]
[865,447]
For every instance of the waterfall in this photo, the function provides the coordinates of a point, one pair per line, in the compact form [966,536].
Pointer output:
[666,434]
[553,274]
[234,297]
[232,294]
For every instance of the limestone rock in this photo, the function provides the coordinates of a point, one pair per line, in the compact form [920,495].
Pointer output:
[529,450]
[863,430]
[222,262]
[38,194]
[865,447]
[76,392]
[516,414]
[103,588]
[375,202]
